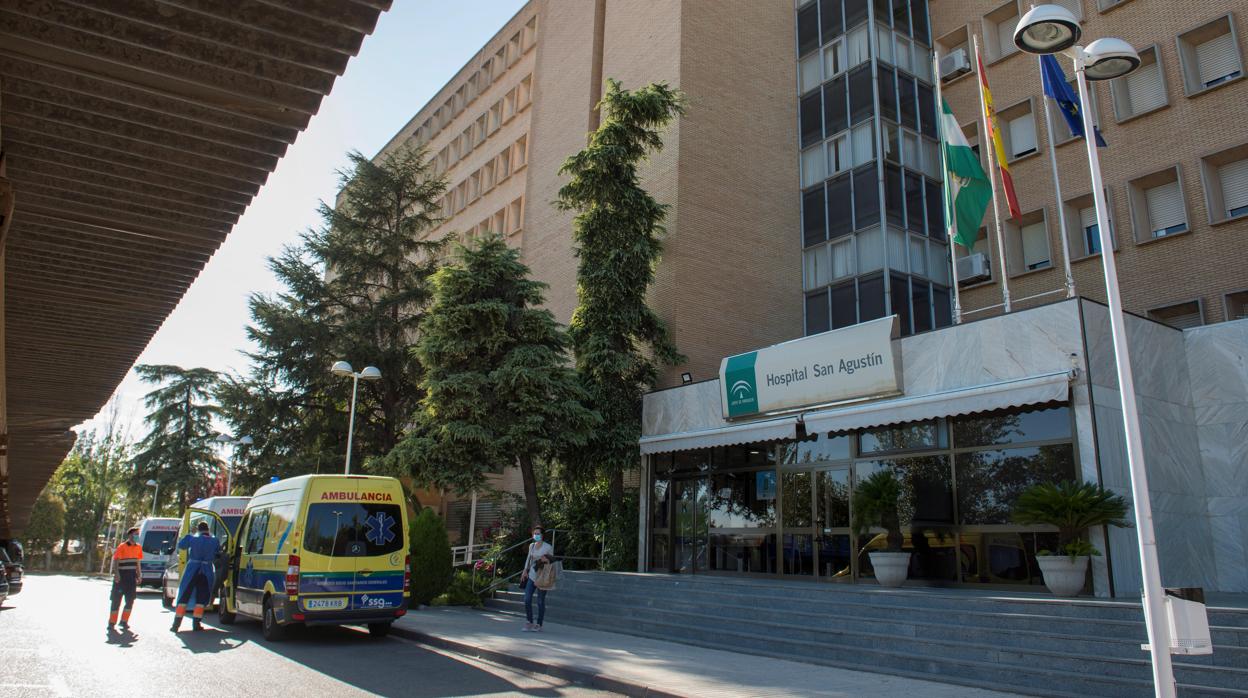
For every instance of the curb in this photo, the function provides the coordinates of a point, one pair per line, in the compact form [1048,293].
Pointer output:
[585,677]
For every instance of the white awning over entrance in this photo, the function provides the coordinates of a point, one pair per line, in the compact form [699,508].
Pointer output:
[1033,390]
[765,430]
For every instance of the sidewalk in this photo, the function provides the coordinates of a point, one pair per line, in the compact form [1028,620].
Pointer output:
[641,666]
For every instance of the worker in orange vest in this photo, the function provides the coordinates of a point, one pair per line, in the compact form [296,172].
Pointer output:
[126,559]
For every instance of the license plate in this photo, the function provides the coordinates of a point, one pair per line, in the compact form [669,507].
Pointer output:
[325,604]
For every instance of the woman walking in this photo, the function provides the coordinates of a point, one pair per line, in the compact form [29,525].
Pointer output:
[540,554]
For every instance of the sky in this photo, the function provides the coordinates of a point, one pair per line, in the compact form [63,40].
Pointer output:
[416,48]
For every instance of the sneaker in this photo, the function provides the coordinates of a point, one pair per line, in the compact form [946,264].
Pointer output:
[124,625]
[537,628]
[528,628]
[111,629]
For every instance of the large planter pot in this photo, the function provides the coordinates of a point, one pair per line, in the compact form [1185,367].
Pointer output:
[891,569]
[1062,576]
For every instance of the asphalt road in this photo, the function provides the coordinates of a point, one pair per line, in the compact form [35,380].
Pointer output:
[53,642]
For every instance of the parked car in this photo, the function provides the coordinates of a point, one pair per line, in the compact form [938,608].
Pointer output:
[13,570]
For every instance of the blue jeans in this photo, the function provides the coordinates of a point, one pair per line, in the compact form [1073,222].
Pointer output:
[529,588]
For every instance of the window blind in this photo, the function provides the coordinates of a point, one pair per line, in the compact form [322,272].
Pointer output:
[1005,36]
[1217,58]
[1035,246]
[1145,90]
[1234,177]
[1165,208]
[1022,135]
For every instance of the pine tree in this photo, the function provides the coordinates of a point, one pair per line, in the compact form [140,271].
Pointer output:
[356,289]
[178,452]
[498,388]
[618,340]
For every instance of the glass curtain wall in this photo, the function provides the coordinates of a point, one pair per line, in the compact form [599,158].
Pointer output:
[873,233]
[786,508]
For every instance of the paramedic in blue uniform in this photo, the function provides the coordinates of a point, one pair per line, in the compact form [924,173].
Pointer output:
[197,576]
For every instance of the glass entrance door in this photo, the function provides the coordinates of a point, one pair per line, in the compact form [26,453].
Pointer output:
[689,525]
[834,553]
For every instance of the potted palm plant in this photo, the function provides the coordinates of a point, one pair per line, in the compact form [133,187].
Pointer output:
[1072,508]
[875,505]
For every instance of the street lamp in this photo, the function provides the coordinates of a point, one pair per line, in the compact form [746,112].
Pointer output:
[1053,29]
[229,466]
[342,369]
[155,495]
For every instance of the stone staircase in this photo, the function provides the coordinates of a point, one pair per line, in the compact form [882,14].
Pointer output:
[1020,642]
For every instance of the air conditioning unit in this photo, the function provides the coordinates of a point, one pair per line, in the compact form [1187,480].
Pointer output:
[954,63]
[974,267]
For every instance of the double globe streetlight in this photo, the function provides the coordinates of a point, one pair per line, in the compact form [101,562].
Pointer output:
[229,466]
[1048,29]
[342,369]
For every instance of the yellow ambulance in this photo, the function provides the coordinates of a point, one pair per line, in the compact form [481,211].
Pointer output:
[320,549]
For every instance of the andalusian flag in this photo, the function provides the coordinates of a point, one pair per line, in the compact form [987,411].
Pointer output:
[967,189]
[1007,180]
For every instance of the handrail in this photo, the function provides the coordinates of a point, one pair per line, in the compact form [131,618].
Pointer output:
[492,560]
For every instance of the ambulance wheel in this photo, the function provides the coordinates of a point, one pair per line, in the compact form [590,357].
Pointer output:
[223,615]
[379,629]
[269,627]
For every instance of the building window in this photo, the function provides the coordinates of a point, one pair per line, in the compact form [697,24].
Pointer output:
[830,22]
[513,49]
[1237,305]
[1019,130]
[814,220]
[515,216]
[810,113]
[1157,207]
[499,221]
[496,116]
[521,157]
[503,164]
[999,28]
[817,319]
[1084,234]
[530,34]
[955,54]
[1027,243]
[1180,315]
[861,96]
[1141,91]
[1209,55]
[807,29]
[509,105]
[1225,176]
[524,93]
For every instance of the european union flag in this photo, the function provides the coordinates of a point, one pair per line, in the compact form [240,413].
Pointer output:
[1055,86]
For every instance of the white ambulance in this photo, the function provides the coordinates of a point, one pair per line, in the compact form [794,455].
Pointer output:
[158,536]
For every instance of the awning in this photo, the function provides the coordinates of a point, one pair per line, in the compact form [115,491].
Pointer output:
[750,432]
[1050,387]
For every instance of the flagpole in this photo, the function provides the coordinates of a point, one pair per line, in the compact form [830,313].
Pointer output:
[944,189]
[994,168]
[1057,186]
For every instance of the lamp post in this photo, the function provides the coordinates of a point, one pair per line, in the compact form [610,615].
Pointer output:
[1047,29]
[155,495]
[229,465]
[343,369]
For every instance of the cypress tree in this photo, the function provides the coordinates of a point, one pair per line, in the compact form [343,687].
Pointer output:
[498,390]
[618,340]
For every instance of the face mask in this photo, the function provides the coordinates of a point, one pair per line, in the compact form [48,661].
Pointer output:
[130,539]
[537,537]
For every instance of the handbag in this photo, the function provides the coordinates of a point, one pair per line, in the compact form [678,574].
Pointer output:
[545,576]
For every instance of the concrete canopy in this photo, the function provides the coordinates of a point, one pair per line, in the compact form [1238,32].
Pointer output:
[133,134]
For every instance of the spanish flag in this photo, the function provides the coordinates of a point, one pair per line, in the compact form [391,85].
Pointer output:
[990,113]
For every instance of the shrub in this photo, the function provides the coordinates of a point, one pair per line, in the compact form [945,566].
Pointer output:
[459,593]
[431,557]
[1071,507]
[875,504]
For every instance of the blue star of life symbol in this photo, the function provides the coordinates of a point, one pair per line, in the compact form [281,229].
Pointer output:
[380,528]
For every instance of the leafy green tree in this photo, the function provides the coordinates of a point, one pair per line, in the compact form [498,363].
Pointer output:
[498,389]
[431,557]
[178,451]
[91,482]
[618,339]
[47,523]
[355,289]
